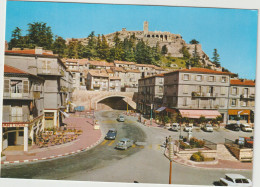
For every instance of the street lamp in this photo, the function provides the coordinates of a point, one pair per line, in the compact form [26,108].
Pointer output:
[151,119]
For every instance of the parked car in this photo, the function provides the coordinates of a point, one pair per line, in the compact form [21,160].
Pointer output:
[208,128]
[249,142]
[246,128]
[121,118]
[233,126]
[124,143]
[175,127]
[111,134]
[188,127]
[235,180]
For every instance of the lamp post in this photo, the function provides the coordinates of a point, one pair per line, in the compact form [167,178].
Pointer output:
[151,119]
[171,159]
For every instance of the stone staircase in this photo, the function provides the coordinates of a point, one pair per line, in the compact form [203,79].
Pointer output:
[224,154]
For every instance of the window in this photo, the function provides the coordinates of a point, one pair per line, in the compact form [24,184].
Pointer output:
[160,89]
[222,102]
[199,78]
[16,86]
[223,79]
[185,89]
[211,78]
[20,133]
[234,90]
[222,90]
[243,103]
[185,101]
[233,102]
[186,77]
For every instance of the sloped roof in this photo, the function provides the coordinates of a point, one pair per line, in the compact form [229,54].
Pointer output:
[242,82]
[201,70]
[120,69]
[133,71]
[98,73]
[30,52]
[100,63]
[10,69]
[124,62]
[157,75]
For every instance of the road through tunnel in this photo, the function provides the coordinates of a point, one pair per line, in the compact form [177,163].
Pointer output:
[113,103]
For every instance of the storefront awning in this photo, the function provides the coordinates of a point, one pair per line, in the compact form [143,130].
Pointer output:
[65,114]
[242,112]
[160,109]
[198,113]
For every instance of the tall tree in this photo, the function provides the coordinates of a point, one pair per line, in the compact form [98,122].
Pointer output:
[215,58]
[59,46]
[164,50]
[195,58]
[16,38]
[185,52]
[40,35]
[194,41]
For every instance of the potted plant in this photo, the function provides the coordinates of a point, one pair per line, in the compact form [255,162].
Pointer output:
[3,157]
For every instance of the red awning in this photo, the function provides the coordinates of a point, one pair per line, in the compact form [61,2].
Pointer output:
[199,113]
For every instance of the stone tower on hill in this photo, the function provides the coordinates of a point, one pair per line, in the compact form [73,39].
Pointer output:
[173,42]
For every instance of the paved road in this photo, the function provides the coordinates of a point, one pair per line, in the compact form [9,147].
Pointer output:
[145,164]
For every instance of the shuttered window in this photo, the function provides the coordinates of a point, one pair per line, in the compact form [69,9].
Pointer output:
[6,86]
[222,90]
[25,86]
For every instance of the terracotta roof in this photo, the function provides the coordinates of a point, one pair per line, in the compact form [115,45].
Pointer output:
[120,69]
[133,71]
[242,82]
[97,73]
[100,63]
[124,62]
[30,52]
[201,70]
[10,69]
[157,75]
[115,78]
[109,71]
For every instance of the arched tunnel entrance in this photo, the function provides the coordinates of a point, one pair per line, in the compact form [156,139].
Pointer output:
[113,103]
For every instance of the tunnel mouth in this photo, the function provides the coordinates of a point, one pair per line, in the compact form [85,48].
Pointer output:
[113,103]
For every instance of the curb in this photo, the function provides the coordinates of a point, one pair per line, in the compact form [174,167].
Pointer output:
[56,156]
[185,163]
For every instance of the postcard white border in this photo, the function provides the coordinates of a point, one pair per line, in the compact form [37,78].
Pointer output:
[240,4]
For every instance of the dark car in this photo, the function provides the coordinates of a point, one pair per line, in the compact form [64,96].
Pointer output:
[233,127]
[111,134]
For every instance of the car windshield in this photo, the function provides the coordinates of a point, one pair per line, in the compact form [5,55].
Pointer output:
[245,181]
[111,131]
[208,125]
[174,125]
[238,180]
[122,142]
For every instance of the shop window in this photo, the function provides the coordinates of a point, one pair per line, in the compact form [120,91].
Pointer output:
[20,133]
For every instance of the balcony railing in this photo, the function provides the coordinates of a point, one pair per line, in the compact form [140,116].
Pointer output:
[200,94]
[18,96]
[50,71]
[245,96]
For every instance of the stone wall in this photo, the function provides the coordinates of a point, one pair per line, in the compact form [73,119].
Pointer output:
[206,153]
[241,154]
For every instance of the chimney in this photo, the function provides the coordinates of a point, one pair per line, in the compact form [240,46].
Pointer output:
[189,67]
[38,50]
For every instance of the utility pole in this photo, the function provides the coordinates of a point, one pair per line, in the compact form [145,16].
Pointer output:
[171,159]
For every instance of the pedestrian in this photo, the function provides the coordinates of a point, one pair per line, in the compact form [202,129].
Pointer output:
[166,142]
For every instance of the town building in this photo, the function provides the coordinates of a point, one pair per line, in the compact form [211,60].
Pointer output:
[196,92]
[23,107]
[150,93]
[241,100]
[124,64]
[49,67]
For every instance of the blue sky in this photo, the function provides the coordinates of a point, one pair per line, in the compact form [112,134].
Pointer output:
[233,32]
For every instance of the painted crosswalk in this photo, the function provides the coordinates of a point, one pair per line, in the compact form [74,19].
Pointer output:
[111,143]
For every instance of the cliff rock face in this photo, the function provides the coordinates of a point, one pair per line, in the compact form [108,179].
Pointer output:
[173,42]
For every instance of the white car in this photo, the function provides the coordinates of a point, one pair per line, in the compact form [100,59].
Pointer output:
[121,118]
[246,128]
[208,128]
[175,127]
[235,180]
[188,127]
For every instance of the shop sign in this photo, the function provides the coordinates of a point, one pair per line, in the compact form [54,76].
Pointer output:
[14,125]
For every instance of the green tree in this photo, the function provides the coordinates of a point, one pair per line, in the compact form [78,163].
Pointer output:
[16,39]
[104,51]
[194,41]
[194,62]
[185,52]
[59,46]
[73,49]
[164,50]
[40,35]
[215,58]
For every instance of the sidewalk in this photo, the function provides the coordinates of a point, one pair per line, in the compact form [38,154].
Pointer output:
[85,141]
[217,164]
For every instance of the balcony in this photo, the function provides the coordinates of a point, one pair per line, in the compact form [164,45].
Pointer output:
[247,97]
[18,96]
[50,71]
[205,95]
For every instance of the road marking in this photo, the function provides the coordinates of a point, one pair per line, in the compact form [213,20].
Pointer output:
[105,141]
[150,146]
[133,145]
[111,143]
[158,146]
[141,146]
